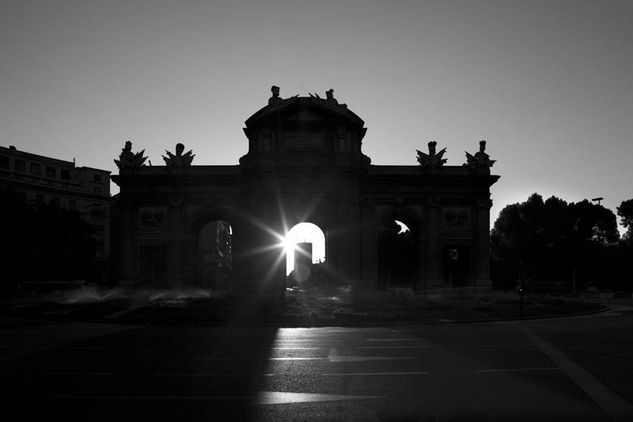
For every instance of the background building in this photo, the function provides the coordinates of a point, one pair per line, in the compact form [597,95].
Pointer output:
[39,179]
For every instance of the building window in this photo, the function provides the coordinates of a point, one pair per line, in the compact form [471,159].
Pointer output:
[55,202]
[51,172]
[19,166]
[65,174]
[4,162]
[36,169]
[39,199]
[97,178]
[96,190]
[72,204]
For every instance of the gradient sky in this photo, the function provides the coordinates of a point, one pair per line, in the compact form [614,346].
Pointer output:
[549,84]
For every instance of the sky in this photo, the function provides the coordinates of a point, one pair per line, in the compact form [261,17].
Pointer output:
[548,84]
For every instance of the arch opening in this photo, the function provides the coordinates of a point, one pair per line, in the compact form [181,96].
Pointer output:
[215,255]
[305,253]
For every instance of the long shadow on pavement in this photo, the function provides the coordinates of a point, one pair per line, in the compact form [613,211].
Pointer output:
[146,372]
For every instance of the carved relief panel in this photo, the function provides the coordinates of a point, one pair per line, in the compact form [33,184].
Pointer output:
[456,218]
[152,218]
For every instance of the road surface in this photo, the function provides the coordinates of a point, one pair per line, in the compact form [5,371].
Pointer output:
[556,369]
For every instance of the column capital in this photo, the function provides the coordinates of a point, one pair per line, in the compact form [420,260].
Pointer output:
[433,202]
[175,202]
[484,202]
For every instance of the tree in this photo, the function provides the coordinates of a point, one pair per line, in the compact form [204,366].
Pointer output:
[625,212]
[42,241]
[553,240]
[517,233]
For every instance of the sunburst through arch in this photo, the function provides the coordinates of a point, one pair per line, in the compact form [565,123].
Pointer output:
[300,233]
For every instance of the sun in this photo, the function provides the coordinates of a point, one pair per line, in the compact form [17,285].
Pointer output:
[289,244]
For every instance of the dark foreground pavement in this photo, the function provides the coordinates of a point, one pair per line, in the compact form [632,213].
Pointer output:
[555,369]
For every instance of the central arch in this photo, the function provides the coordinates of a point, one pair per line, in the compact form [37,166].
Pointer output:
[304,246]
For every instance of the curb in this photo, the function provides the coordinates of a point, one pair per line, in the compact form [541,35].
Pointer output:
[603,308]
[307,323]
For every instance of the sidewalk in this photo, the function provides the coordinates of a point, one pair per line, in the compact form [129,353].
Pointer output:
[300,308]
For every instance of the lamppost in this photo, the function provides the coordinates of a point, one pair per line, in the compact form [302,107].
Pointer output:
[597,199]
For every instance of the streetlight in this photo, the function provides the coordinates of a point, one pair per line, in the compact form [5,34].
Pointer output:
[597,199]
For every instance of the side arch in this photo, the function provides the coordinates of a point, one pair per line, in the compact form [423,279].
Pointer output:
[209,247]
[400,263]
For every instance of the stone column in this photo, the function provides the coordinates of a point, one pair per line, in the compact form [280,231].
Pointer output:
[369,244]
[434,244]
[263,251]
[175,264]
[128,276]
[347,241]
[482,237]
[421,281]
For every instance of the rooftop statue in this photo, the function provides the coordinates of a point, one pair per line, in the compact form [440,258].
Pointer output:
[330,96]
[276,104]
[129,159]
[275,99]
[480,159]
[432,159]
[180,159]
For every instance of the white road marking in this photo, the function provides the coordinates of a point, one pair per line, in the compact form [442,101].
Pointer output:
[295,358]
[370,374]
[337,358]
[262,398]
[280,397]
[209,374]
[516,370]
[156,397]
[611,403]
[81,348]
[502,345]
[394,347]
[296,348]
[392,339]
[63,373]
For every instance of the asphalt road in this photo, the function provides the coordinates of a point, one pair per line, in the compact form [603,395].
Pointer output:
[556,369]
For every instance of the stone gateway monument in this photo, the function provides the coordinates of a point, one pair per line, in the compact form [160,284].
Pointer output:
[423,226]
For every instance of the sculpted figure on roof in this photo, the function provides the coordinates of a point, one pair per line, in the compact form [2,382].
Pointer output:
[480,158]
[179,159]
[274,99]
[129,159]
[433,159]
